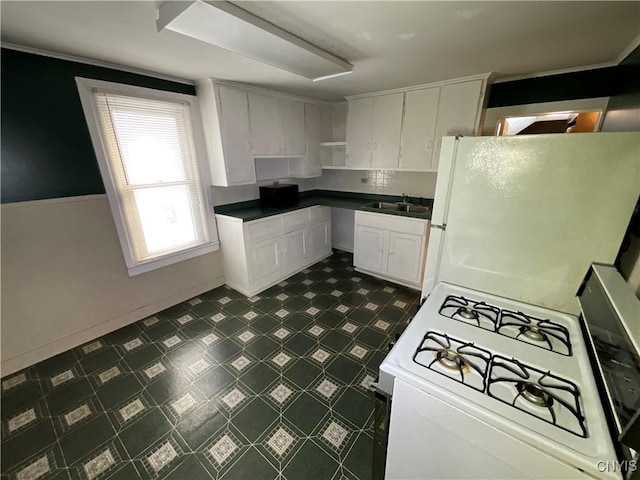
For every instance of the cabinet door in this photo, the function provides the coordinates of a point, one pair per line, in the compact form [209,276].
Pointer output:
[457,112]
[236,134]
[313,132]
[418,128]
[266,137]
[292,127]
[387,123]
[405,255]
[295,250]
[359,125]
[319,240]
[369,248]
[264,258]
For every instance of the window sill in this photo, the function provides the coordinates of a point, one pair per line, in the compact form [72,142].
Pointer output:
[172,258]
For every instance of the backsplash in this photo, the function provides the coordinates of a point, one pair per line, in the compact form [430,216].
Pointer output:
[242,193]
[386,182]
[390,182]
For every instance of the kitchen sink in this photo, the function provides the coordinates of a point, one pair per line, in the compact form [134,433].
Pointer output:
[385,206]
[399,207]
[414,209]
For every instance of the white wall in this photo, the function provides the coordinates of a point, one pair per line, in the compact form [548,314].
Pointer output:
[242,193]
[387,182]
[64,280]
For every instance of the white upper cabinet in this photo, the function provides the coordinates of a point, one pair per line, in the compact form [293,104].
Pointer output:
[266,134]
[373,131]
[277,126]
[458,112]
[387,122]
[404,129]
[225,119]
[359,130]
[419,128]
[292,127]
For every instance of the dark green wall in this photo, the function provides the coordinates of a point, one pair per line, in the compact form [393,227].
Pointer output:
[46,147]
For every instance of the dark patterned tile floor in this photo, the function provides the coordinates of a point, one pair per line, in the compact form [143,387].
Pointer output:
[221,386]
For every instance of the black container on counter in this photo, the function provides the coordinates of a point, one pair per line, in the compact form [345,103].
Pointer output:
[279,196]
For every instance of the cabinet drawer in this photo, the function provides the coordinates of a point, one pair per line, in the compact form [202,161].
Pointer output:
[293,220]
[392,223]
[319,213]
[262,229]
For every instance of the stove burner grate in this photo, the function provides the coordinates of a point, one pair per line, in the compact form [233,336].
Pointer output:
[465,310]
[535,331]
[541,390]
[467,363]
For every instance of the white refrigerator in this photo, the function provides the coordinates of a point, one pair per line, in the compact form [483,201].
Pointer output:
[523,217]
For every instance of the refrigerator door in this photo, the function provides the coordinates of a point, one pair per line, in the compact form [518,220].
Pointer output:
[528,215]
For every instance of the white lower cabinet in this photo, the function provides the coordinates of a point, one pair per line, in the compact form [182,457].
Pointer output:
[391,247]
[369,249]
[265,259]
[258,254]
[295,249]
[405,253]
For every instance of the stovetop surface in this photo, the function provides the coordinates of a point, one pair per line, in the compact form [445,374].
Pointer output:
[540,386]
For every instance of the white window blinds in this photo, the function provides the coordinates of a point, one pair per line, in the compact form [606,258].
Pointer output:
[153,166]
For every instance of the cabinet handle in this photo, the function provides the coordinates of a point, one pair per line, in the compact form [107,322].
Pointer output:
[430,145]
[375,145]
[439,143]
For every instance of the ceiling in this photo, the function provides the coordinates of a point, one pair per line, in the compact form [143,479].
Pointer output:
[391,44]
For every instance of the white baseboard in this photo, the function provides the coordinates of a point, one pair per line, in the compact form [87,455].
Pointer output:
[389,279]
[14,364]
[253,293]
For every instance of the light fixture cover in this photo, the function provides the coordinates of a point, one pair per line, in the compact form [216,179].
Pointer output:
[230,27]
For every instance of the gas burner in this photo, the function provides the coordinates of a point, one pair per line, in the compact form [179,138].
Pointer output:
[538,393]
[458,360]
[535,331]
[468,313]
[464,310]
[534,394]
[450,359]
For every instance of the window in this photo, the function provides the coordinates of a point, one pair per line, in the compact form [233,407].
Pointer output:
[147,148]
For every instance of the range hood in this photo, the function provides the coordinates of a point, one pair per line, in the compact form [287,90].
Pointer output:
[230,27]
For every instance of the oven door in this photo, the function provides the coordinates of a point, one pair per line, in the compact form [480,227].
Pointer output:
[611,325]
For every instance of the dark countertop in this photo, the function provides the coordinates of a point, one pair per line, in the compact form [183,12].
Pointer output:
[251,210]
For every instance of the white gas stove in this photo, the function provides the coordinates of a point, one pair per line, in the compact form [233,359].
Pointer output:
[504,385]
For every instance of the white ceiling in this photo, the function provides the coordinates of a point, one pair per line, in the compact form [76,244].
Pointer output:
[391,44]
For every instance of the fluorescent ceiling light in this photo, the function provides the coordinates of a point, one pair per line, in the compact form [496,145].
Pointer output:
[334,75]
[230,27]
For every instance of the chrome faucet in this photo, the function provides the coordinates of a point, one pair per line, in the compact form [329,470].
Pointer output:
[404,198]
